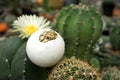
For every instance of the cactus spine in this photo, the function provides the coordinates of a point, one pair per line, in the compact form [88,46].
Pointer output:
[81,26]
[14,64]
[111,73]
[114,37]
[73,69]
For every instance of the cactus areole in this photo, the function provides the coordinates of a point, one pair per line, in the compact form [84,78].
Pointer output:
[81,26]
[45,47]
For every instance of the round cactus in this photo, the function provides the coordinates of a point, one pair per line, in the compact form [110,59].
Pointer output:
[81,26]
[114,37]
[111,73]
[73,69]
[14,63]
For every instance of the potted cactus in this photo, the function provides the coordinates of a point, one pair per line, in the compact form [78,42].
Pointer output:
[73,69]
[81,26]
[114,38]
[111,73]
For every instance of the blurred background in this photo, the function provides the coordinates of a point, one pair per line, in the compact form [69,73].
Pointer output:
[10,9]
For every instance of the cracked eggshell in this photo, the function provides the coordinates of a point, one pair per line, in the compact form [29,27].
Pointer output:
[45,54]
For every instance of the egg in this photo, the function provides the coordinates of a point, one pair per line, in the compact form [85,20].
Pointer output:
[45,47]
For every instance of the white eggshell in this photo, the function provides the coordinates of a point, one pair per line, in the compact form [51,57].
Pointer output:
[45,54]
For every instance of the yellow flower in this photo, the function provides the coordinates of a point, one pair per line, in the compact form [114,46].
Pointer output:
[28,24]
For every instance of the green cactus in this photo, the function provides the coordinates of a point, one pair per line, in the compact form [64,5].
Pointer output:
[111,73]
[114,37]
[4,69]
[14,64]
[81,26]
[73,69]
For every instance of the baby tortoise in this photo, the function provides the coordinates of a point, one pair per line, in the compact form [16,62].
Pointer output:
[47,36]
